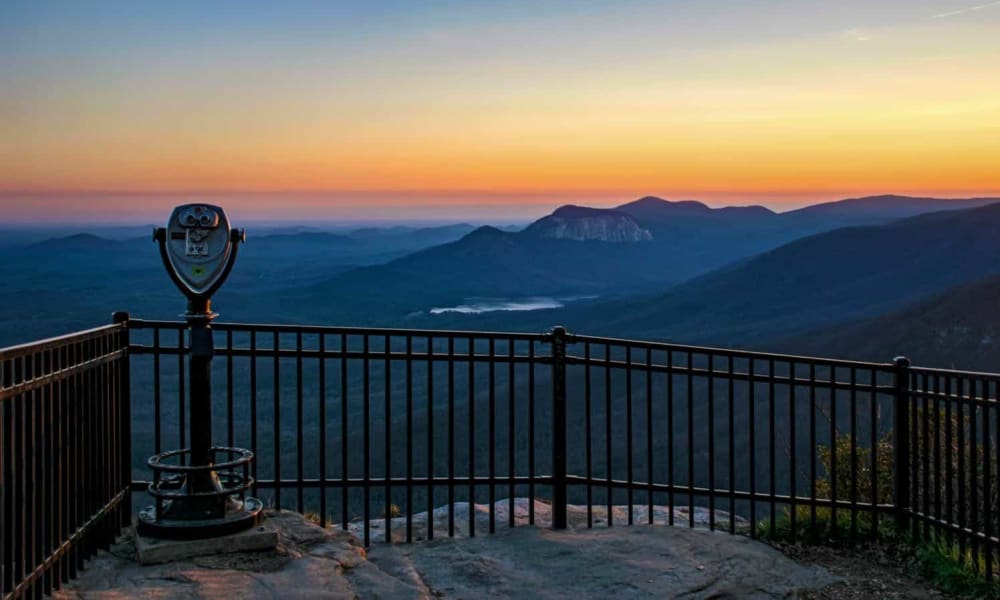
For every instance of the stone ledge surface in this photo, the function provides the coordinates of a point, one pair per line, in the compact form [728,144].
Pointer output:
[151,551]
[643,561]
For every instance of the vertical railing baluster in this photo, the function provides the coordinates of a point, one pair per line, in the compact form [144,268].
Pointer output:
[366,435]
[690,437]
[949,474]
[670,436]
[559,498]
[587,433]
[607,433]
[629,449]
[511,470]
[771,478]
[531,432]
[752,450]
[451,436]
[901,458]
[409,440]
[854,455]
[938,453]
[792,491]
[649,434]
[918,479]
[299,425]
[344,465]
[873,453]
[472,435]
[45,456]
[322,431]
[59,469]
[834,524]
[995,405]
[276,374]
[181,393]
[973,476]
[5,471]
[711,441]
[960,451]
[732,442]
[812,448]
[229,389]
[31,534]
[253,411]
[491,424]
[156,392]
[76,474]
[430,438]
[987,483]
[387,435]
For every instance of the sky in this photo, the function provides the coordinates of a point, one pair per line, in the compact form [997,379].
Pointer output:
[307,110]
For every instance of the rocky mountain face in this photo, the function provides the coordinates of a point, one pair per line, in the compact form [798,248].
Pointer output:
[585,224]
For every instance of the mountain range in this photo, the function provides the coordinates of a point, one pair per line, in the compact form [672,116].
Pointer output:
[838,276]
[637,248]
[679,270]
[958,328]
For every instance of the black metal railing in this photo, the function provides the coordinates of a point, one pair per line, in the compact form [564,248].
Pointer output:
[64,448]
[355,423]
[747,436]
[953,428]
[376,429]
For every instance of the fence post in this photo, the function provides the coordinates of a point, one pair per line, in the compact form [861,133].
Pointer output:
[125,407]
[558,427]
[901,442]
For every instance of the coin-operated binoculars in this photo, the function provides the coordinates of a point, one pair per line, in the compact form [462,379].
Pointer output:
[199,491]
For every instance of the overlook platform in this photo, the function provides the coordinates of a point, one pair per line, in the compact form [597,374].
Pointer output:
[570,447]
[524,562]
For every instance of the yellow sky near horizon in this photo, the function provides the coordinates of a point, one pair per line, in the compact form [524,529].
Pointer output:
[911,107]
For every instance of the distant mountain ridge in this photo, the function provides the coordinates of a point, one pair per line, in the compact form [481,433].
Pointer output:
[956,328]
[889,206]
[837,276]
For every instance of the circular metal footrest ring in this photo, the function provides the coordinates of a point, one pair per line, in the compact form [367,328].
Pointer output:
[172,487]
[248,516]
[239,457]
[199,501]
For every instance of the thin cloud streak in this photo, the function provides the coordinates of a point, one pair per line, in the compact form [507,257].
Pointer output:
[857,35]
[963,11]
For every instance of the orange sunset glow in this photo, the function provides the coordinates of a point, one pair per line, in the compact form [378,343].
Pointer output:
[779,102]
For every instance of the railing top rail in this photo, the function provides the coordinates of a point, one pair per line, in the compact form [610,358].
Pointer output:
[337,330]
[954,373]
[653,345]
[20,350]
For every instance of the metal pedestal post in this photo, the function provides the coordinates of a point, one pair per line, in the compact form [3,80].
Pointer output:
[200,499]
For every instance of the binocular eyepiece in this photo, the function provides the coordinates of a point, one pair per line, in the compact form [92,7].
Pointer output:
[198,248]
[200,215]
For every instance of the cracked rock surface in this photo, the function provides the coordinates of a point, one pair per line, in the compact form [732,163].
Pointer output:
[525,562]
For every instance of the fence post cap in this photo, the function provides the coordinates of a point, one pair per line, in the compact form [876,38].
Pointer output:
[558,331]
[119,317]
[901,362]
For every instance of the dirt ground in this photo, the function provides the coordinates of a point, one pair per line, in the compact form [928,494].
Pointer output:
[869,571]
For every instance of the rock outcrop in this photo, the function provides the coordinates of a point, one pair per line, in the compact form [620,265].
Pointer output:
[642,561]
[581,223]
[521,512]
